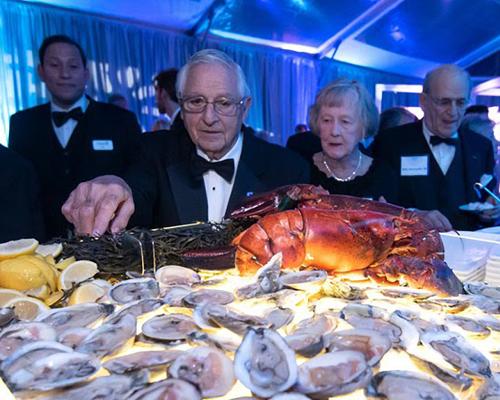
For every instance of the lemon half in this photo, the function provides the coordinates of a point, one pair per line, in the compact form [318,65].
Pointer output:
[77,272]
[16,248]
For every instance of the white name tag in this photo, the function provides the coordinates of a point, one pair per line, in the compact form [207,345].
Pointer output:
[102,145]
[415,166]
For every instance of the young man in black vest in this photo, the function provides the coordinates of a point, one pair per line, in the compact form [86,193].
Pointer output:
[436,164]
[72,138]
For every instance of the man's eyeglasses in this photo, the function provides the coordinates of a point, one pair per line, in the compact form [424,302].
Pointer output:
[222,105]
[446,102]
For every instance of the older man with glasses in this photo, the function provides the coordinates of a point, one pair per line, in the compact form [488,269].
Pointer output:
[437,165]
[198,175]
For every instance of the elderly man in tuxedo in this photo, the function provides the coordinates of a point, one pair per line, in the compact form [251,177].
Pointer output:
[198,175]
[438,165]
[72,138]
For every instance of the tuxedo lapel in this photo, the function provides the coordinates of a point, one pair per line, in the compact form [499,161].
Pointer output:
[472,164]
[189,194]
[249,173]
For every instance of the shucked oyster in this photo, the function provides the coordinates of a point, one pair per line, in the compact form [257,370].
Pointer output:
[371,343]
[453,348]
[175,275]
[109,337]
[134,289]
[264,363]
[54,371]
[140,360]
[207,368]
[202,296]
[169,327]
[404,385]
[80,315]
[167,389]
[112,387]
[136,308]
[332,374]
[17,335]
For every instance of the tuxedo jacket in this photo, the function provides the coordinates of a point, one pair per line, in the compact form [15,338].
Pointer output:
[105,141]
[20,208]
[476,155]
[166,192]
[305,143]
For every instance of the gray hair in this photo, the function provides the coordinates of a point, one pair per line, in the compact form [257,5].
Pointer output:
[335,94]
[447,69]
[213,56]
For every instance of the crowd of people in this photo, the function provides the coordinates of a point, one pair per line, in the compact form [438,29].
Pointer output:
[79,165]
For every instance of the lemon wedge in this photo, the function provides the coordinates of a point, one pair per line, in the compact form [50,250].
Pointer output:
[16,248]
[53,249]
[9,294]
[54,298]
[27,308]
[46,269]
[61,265]
[88,292]
[77,272]
[20,275]
[43,292]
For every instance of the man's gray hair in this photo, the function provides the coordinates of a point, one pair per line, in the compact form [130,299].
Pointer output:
[336,93]
[213,56]
[450,69]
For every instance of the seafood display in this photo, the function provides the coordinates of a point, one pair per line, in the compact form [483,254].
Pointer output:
[342,234]
[275,335]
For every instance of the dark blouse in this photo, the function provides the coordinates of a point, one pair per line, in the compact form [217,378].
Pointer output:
[380,180]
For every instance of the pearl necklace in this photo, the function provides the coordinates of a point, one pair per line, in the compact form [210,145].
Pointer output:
[347,178]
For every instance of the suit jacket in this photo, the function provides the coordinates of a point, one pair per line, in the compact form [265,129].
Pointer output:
[166,193]
[409,140]
[20,208]
[304,143]
[59,169]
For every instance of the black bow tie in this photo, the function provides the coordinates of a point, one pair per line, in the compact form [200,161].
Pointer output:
[224,168]
[60,117]
[435,140]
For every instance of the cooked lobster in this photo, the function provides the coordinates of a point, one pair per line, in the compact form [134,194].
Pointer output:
[344,234]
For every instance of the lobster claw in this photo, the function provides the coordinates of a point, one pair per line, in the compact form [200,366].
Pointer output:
[431,274]
[280,199]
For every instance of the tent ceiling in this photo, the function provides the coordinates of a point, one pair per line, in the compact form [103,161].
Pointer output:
[403,36]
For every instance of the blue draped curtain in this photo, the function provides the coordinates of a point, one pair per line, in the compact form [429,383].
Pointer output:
[123,57]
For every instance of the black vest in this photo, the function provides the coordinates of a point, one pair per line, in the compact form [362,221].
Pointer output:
[450,191]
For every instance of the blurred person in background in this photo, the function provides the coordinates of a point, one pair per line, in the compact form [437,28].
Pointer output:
[395,116]
[478,110]
[304,142]
[166,101]
[118,100]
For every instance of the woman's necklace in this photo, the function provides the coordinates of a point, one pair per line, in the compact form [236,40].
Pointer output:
[347,178]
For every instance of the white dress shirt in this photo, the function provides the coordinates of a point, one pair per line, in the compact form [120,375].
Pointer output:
[217,188]
[443,153]
[65,131]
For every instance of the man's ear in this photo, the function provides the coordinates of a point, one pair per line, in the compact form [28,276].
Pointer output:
[422,100]
[41,72]
[246,107]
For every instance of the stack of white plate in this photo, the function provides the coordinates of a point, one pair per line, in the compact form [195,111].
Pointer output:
[467,253]
[493,267]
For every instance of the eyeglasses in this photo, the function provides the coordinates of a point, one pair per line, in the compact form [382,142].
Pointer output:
[447,102]
[222,105]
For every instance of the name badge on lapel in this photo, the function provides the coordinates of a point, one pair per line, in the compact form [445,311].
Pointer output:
[414,166]
[102,145]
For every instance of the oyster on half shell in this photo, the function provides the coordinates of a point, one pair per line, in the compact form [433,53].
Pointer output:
[264,363]
[207,368]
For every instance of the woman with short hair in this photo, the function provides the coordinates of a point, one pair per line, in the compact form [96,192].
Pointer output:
[343,115]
